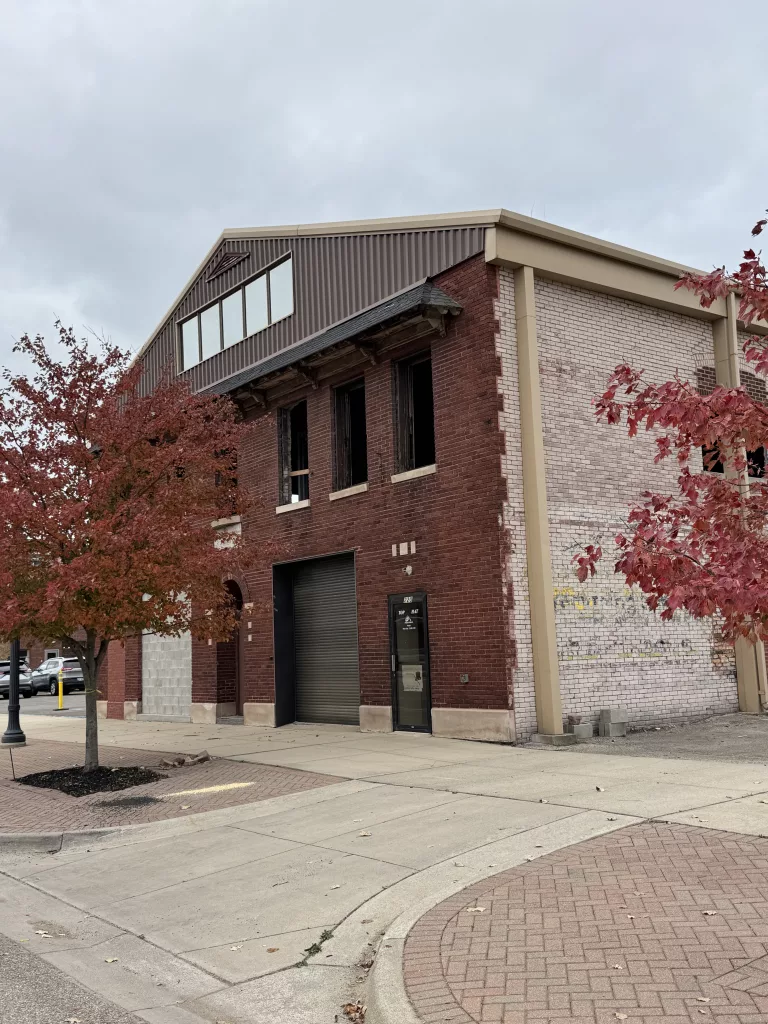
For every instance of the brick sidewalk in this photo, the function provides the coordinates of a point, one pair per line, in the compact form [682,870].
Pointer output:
[653,923]
[223,784]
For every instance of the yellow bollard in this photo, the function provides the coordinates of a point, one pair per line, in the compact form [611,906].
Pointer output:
[61,690]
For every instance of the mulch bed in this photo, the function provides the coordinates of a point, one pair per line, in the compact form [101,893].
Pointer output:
[79,782]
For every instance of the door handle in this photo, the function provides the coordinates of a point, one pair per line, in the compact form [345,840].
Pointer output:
[393,663]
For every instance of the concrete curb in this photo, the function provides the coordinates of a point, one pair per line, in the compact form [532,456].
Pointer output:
[56,842]
[51,842]
[385,993]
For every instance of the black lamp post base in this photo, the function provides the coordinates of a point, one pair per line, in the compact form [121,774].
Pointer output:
[13,735]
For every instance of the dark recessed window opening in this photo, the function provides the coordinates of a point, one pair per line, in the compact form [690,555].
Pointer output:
[756,389]
[414,410]
[294,454]
[351,439]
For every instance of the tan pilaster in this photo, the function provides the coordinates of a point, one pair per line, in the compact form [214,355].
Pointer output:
[549,713]
[750,658]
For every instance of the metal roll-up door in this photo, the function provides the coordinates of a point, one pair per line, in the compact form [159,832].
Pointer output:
[325,639]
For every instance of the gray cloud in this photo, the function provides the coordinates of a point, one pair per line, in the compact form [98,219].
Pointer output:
[133,132]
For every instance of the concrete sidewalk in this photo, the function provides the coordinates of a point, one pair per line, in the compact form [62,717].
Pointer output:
[206,918]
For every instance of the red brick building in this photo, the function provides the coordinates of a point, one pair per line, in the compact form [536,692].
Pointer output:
[423,463]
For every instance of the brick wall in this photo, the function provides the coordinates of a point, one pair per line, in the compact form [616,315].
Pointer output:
[131,682]
[113,680]
[612,649]
[453,517]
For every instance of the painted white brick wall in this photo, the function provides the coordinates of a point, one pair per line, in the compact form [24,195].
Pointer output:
[166,674]
[612,649]
[515,568]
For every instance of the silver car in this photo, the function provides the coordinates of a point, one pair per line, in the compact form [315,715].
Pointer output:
[46,676]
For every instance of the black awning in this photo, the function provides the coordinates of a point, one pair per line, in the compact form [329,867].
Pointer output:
[422,299]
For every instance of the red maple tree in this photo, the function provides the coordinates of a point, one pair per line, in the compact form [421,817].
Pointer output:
[703,549]
[108,496]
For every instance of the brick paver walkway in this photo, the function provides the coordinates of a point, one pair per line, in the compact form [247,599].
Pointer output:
[653,923]
[204,787]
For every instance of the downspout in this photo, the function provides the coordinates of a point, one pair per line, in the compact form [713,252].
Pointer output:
[752,679]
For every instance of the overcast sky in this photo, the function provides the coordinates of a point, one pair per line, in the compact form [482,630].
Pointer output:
[133,131]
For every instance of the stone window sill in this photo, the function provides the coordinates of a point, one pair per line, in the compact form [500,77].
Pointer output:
[347,492]
[413,474]
[292,507]
[219,524]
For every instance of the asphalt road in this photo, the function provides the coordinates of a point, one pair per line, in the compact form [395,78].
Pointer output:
[32,991]
[45,704]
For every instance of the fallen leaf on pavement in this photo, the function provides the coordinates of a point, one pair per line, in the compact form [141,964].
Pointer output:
[237,947]
[709,913]
[599,789]
[618,967]
[273,949]
[44,933]
[354,1012]
[631,917]
[110,960]
[335,886]
[543,801]
[363,834]
[620,1016]
[701,999]
[185,807]
[475,910]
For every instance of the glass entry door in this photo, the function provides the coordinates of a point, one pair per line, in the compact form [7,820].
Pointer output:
[409,639]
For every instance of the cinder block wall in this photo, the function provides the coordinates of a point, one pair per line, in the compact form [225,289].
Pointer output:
[612,649]
[166,669]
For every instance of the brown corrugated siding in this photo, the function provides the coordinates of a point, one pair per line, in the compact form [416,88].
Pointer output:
[334,277]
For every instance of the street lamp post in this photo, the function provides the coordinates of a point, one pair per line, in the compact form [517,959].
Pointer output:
[13,736]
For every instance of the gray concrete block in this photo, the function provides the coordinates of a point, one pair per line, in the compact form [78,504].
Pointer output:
[614,715]
[583,731]
[612,728]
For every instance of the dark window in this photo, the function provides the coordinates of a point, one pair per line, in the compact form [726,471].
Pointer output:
[351,442]
[414,411]
[756,389]
[294,454]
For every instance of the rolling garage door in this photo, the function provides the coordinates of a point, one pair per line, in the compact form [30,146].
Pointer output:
[325,639]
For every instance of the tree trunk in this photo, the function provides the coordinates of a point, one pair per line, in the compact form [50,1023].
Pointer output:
[91,663]
[91,720]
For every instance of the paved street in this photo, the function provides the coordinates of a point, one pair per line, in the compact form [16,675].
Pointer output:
[45,704]
[35,992]
[209,917]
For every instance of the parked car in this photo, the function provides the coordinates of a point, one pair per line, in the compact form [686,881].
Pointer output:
[46,676]
[26,689]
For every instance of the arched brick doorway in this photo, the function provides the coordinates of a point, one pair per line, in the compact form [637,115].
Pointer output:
[229,660]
